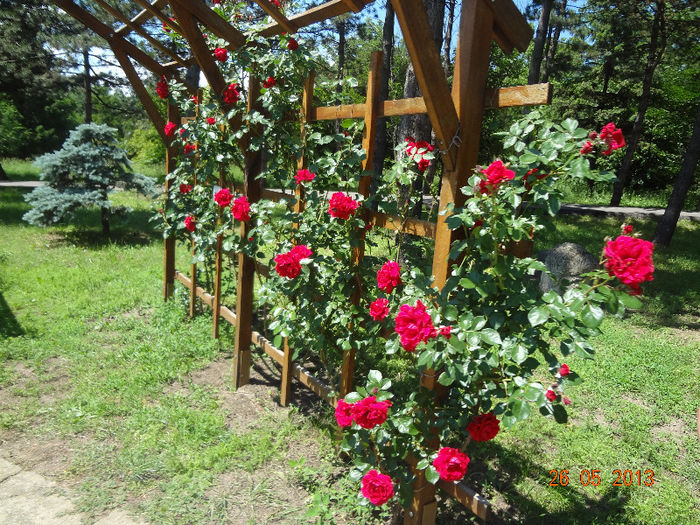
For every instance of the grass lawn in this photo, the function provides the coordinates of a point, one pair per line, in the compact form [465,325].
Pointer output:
[126,403]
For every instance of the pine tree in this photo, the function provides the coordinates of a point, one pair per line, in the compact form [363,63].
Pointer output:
[81,174]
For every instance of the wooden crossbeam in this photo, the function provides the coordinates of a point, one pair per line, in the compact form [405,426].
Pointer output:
[510,28]
[140,31]
[430,75]
[155,10]
[277,15]
[210,19]
[107,33]
[531,95]
[143,16]
[313,15]
[355,5]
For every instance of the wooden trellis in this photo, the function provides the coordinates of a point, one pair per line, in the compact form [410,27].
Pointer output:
[455,114]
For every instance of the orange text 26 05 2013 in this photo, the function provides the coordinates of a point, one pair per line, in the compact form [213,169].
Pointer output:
[618,478]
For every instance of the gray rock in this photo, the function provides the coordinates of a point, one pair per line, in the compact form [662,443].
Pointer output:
[566,262]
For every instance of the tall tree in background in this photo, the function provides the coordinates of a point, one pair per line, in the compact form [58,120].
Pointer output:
[540,40]
[656,48]
[557,23]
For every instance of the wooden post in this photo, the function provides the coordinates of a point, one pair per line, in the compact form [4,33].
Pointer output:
[216,307]
[302,163]
[246,264]
[370,117]
[169,243]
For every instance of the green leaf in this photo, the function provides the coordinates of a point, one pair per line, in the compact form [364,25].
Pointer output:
[520,409]
[519,354]
[353,397]
[570,125]
[528,158]
[592,315]
[490,336]
[451,313]
[466,283]
[432,475]
[446,379]
[538,315]
[629,301]
[422,464]
[374,376]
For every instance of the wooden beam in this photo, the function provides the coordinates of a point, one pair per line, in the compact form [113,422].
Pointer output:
[313,15]
[277,16]
[532,95]
[210,19]
[409,225]
[141,92]
[169,242]
[140,31]
[107,33]
[510,26]
[143,16]
[430,75]
[155,10]
[355,5]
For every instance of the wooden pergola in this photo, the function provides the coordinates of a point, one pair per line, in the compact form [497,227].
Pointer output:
[455,113]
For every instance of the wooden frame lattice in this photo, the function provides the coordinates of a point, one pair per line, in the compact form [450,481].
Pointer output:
[455,113]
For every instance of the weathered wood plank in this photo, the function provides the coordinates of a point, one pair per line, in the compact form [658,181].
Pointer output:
[516,96]
[313,15]
[409,225]
[149,11]
[211,20]
[510,25]
[277,16]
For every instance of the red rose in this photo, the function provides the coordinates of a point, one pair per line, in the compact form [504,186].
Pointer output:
[343,413]
[612,137]
[378,488]
[496,173]
[451,464]
[587,148]
[379,309]
[166,28]
[162,88]
[369,412]
[193,98]
[286,265]
[477,224]
[190,223]
[551,395]
[231,94]
[566,400]
[241,209]
[389,276]
[211,120]
[446,331]
[185,188]
[484,427]
[629,259]
[593,135]
[223,197]
[292,45]
[170,129]
[221,54]
[189,148]
[304,175]
[269,82]
[564,370]
[342,206]
[627,229]
[414,326]
[276,3]
[301,252]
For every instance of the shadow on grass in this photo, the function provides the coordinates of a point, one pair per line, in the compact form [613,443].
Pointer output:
[9,326]
[515,505]
[12,205]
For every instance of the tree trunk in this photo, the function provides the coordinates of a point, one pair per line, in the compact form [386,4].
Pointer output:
[533,76]
[667,224]
[341,65]
[446,64]
[87,84]
[3,175]
[657,44]
[105,213]
[380,142]
[549,58]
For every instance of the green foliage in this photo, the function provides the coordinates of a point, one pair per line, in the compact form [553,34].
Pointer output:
[145,145]
[13,135]
[82,173]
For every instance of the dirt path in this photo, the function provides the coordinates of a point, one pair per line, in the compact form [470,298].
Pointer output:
[28,498]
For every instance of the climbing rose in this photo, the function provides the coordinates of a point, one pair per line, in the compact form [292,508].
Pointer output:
[378,488]
[530,173]
[342,206]
[240,209]
[564,370]
[587,148]
[495,173]
[170,129]
[417,150]
[446,331]
[414,325]
[612,137]
[185,188]
[189,148]
[451,464]
[303,175]
[190,223]
[379,309]
[276,3]
[627,229]
[292,45]
[369,412]
[301,252]
[343,413]
[269,82]
[162,88]
[223,197]
[221,54]
[629,259]
[231,94]
[211,120]
[287,264]
[484,427]
[551,395]
[389,276]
